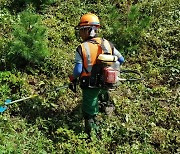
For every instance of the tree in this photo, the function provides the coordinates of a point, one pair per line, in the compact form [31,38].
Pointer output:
[29,44]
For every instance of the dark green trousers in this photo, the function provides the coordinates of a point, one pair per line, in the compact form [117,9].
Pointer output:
[90,107]
[90,100]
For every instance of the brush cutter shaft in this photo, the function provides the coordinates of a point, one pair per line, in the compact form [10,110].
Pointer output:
[3,108]
[19,100]
[122,79]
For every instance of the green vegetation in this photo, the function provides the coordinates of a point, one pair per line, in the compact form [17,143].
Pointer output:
[29,43]
[37,47]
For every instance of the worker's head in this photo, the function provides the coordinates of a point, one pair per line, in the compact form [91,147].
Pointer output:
[88,25]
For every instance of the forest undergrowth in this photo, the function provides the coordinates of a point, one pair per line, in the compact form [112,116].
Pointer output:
[37,48]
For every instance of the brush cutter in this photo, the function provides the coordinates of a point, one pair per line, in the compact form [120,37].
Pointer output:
[124,75]
[9,101]
[71,86]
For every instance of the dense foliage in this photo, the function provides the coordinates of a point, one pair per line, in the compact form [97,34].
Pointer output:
[29,43]
[37,46]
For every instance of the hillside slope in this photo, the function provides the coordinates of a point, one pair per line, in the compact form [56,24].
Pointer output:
[37,47]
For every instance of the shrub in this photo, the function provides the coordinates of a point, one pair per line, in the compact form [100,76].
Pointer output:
[16,6]
[29,44]
[10,84]
[125,28]
[6,21]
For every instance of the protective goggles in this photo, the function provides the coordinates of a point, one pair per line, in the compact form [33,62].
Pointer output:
[81,27]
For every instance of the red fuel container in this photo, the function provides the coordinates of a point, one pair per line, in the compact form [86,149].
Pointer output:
[110,75]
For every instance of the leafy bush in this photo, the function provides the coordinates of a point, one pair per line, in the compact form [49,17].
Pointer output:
[16,6]
[125,29]
[10,84]
[6,21]
[29,44]
[163,34]
[19,137]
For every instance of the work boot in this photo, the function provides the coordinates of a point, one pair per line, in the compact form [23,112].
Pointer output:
[90,124]
[107,107]
[102,106]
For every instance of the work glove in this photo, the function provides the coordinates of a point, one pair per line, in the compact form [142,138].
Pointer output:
[73,83]
[71,78]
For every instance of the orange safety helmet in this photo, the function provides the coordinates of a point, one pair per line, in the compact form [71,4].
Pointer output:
[89,19]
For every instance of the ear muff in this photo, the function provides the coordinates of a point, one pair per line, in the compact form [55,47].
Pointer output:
[92,31]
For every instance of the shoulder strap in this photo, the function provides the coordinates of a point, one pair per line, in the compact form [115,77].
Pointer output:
[79,50]
[103,44]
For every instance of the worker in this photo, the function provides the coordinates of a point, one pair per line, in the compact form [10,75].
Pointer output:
[85,58]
